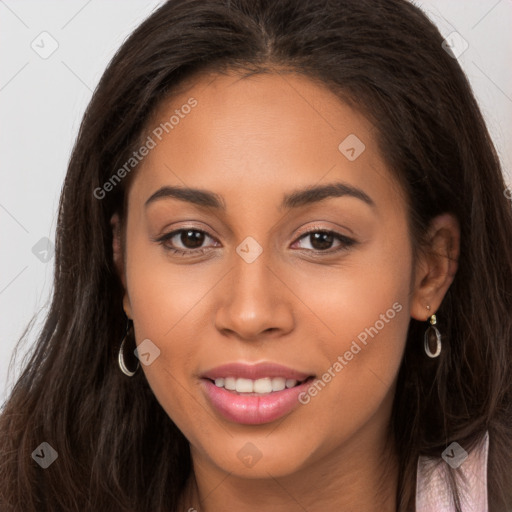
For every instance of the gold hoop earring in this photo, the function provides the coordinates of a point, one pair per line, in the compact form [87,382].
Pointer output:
[120,358]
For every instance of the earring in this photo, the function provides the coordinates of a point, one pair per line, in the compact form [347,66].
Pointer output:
[120,358]
[432,333]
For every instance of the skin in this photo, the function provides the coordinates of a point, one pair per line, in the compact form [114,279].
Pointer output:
[252,140]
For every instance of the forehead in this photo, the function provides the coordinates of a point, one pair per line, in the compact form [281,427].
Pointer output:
[260,134]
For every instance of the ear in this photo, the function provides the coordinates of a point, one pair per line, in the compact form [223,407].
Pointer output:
[118,256]
[436,266]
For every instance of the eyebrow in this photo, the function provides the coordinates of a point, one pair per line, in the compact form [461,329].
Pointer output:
[295,199]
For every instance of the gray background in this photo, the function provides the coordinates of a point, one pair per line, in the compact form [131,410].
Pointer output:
[43,97]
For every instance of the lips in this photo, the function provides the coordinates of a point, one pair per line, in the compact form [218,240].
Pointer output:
[254,394]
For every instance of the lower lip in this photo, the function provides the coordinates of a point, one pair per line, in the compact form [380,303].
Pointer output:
[252,409]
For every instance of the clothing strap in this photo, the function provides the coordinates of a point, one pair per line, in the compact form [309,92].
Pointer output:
[432,488]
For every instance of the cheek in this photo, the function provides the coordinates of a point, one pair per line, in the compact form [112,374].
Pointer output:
[367,313]
[358,294]
[169,308]
[163,296]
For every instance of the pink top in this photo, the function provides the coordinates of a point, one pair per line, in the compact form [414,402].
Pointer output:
[432,491]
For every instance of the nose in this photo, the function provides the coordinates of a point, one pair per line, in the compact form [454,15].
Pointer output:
[253,302]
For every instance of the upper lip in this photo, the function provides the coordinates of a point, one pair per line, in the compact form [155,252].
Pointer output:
[254,371]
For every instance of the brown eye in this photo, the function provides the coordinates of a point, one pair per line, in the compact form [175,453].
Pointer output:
[323,240]
[192,239]
[185,241]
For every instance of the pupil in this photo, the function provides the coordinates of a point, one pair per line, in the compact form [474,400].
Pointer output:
[322,240]
[197,240]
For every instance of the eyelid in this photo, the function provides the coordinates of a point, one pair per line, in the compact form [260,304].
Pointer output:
[315,228]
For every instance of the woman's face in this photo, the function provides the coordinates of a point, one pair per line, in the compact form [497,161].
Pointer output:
[268,274]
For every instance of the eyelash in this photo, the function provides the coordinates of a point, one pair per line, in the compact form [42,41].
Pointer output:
[344,240]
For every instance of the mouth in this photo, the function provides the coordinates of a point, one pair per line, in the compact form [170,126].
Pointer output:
[254,394]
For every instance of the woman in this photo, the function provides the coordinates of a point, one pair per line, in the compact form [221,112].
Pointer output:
[293,215]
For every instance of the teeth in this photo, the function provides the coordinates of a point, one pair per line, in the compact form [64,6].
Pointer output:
[290,383]
[278,384]
[230,383]
[262,386]
[244,386]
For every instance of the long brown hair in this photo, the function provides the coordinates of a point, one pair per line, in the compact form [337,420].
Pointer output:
[117,448]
